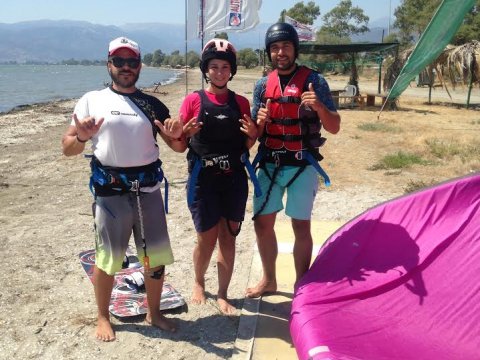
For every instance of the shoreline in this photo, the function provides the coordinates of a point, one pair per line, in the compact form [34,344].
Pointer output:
[26,107]
[57,97]
[174,79]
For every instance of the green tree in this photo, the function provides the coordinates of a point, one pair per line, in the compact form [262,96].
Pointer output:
[193,59]
[147,59]
[158,58]
[345,20]
[470,30]
[261,56]
[390,38]
[324,36]
[221,35]
[70,61]
[247,57]
[306,14]
[175,59]
[412,17]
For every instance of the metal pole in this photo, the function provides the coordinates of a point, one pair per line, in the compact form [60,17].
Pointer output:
[202,4]
[202,36]
[380,61]
[470,83]
[389,16]
[186,47]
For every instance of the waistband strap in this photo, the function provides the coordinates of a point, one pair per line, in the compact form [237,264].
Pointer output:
[201,163]
[300,158]
[123,179]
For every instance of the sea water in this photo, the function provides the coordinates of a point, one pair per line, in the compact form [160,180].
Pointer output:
[31,84]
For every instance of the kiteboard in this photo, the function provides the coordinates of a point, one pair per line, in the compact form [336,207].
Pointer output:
[128,295]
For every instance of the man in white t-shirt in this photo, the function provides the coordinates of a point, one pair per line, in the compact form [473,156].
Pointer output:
[122,124]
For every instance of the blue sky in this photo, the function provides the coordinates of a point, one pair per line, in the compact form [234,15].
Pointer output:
[119,12]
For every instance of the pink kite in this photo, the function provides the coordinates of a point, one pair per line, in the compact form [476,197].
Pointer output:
[400,281]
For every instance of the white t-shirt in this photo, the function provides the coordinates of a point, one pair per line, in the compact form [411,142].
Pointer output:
[125,138]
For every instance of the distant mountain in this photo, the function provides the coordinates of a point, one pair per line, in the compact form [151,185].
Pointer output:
[375,35]
[378,31]
[381,22]
[53,41]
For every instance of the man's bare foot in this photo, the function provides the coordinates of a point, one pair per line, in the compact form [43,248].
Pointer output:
[161,322]
[262,288]
[104,331]
[198,295]
[225,307]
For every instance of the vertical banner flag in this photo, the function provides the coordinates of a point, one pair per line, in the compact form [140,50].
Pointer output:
[194,16]
[440,30]
[305,32]
[221,15]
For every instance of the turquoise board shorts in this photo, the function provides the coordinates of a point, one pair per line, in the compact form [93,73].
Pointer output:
[300,194]
[116,217]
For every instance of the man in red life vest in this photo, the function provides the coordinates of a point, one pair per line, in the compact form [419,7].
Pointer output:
[290,106]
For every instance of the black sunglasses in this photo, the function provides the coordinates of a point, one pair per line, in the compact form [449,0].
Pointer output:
[120,62]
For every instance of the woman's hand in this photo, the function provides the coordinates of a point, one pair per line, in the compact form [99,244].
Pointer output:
[192,127]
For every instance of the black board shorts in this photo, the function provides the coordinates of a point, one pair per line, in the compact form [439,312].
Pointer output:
[218,194]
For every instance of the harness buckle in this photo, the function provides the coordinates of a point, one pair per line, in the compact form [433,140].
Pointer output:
[135,186]
[277,160]
[224,164]
[207,163]
[299,155]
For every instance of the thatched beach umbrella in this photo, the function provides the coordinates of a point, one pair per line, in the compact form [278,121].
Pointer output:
[455,64]
[462,65]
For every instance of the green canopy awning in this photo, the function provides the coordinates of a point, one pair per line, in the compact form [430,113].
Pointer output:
[314,48]
[353,48]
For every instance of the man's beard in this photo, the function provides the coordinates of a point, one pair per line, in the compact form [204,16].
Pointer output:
[121,82]
[284,66]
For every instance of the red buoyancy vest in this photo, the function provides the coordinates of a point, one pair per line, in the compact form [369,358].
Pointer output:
[293,127]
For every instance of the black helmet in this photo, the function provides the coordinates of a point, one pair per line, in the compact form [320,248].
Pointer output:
[219,49]
[281,32]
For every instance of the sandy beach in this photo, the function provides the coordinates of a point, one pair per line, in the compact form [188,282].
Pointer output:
[48,304]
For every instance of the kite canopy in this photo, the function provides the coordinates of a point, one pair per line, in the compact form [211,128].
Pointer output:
[400,281]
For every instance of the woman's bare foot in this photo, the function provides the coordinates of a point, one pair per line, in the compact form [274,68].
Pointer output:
[161,322]
[263,287]
[198,295]
[104,330]
[225,307]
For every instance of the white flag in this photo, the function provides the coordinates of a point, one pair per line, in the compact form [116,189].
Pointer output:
[221,15]
[305,32]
